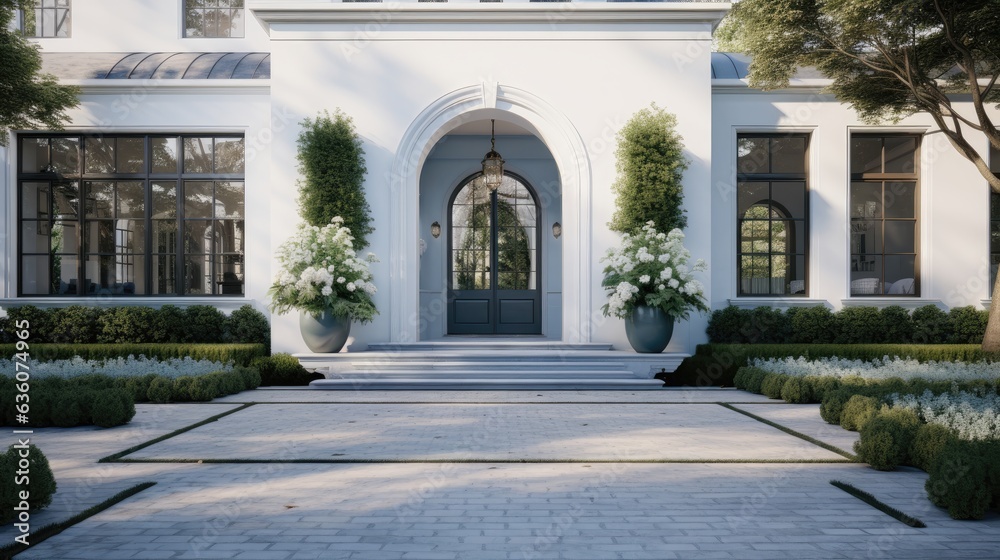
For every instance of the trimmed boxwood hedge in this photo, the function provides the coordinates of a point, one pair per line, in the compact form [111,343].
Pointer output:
[283,369]
[850,325]
[715,365]
[964,475]
[136,324]
[106,401]
[239,354]
[41,483]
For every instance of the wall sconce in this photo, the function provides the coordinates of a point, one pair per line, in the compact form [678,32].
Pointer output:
[556,230]
[436,230]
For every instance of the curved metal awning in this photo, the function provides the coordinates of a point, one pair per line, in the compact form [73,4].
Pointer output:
[159,65]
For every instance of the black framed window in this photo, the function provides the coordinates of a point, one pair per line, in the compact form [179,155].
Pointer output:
[994,220]
[772,214]
[131,215]
[214,18]
[885,204]
[48,18]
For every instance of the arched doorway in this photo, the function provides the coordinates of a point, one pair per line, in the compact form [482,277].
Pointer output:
[494,253]
[502,102]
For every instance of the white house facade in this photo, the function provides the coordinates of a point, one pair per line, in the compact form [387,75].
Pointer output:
[175,179]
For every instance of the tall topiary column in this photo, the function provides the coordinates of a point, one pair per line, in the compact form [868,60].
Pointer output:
[331,160]
[650,167]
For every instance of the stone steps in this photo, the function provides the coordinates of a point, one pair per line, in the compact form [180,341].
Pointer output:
[489,365]
[481,384]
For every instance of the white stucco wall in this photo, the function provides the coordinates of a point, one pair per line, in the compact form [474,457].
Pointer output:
[954,201]
[594,74]
[143,26]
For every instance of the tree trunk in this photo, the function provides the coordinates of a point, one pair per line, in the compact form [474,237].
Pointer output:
[991,342]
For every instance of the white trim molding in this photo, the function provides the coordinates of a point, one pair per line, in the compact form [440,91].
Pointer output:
[226,304]
[376,21]
[776,302]
[907,302]
[567,147]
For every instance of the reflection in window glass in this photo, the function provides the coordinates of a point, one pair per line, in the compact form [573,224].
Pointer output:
[500,253]
[213,18]
[99,217]
[884,225]
[772,214]
[47,18]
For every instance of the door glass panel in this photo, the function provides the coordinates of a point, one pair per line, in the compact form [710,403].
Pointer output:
[471,238]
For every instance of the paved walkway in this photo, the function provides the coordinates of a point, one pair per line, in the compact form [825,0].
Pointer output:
[453,508]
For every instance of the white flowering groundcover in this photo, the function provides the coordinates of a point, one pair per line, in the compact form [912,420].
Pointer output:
[881,369]
[973,417]
[119,367]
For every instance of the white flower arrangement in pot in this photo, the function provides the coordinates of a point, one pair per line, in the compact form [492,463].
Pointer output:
[322,277]
[650,270]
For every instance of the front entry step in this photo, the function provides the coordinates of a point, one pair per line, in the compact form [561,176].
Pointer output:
[489,365]
[480,384]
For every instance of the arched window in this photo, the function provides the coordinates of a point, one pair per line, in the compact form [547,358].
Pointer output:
[772,216]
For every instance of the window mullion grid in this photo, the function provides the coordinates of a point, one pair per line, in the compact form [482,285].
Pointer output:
[769,224]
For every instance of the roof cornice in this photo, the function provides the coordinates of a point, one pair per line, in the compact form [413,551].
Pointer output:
[552,14]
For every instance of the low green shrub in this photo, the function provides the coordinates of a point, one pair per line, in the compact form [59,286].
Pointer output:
[968,325]
[246,324]
[204,324]
[820,385]
[832,407]
[895,325]
[772,384]
[928,444]
[66,410]
[136,324]
[74,324]
[250,376]
[851,325]
[283,369]
[726,326]
[40,484]
[137,386]
[930,325]
[797,390]
[112,407]
[887,438]
[126,325]
[858,411]
[160,390]
[181,389]
[859,325]
[168,325]
[203,388]
[740,379]
[959,479]
[717,364]
[39,321]
[813,325]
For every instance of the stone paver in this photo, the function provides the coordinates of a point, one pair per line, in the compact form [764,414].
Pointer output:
[623,510]
[669,394]
[489,510]
[73,454]
[805,419]
[462,431]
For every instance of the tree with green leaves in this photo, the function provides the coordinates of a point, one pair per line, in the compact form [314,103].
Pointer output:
[29,99]
[332,163]
[651,164]
[888,59]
